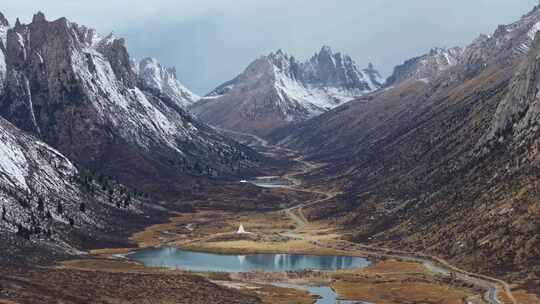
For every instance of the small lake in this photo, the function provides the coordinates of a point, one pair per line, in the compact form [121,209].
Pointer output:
[169,257]
[269,182]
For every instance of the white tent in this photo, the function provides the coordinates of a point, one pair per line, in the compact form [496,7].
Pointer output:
[241,230]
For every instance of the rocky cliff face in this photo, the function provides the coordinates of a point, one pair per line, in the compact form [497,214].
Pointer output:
[517,116]
[329,69]
[4,26]
[426,67]
[79,93]
[278,89]
[164,81]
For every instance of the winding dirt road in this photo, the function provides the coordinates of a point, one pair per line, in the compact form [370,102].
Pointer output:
[432,263]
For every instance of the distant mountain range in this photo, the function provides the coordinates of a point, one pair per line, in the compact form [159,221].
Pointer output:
[277,89]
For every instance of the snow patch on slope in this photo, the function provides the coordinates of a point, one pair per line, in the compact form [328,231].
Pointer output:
[534,29]
[130,111]
[13,163]
[3,34]
[316,100]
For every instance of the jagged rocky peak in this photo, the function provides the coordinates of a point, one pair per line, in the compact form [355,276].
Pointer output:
[278,89]
[164,80]
[426,67]
[284,63]
[324,69]
[87,35]
[39,17]
[28,48]
[279,57]
[81,94]
[116,52]
[340,70]
[374,75]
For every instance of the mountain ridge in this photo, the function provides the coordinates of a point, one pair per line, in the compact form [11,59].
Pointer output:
[79,93]
[277,89]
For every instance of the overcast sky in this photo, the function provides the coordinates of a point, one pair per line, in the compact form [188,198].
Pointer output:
[211,41]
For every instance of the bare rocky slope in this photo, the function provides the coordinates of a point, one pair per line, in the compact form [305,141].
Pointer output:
[277,90]
[50,208]
[426,67]
[81,94]
[449,165]
[90,142]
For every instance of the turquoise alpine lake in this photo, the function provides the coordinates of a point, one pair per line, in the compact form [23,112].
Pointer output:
[169,257]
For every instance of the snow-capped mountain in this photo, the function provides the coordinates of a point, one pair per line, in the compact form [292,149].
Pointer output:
[337,70]
[44,197]
[79,93]
[164,81]
[425,67]
[277,89]
[4,26]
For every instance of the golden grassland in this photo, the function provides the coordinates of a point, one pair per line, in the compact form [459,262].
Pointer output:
[384,282]
[265,236]
[276,295]
[390,281]
[270,294]
[398,291]
[526,298]
[253,247]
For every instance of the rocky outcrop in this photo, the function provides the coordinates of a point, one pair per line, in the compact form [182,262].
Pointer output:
[277,89]
[426,67]
[516,122]
[329,69]
[164,81]
[115,52]
[79,93]
[4,26]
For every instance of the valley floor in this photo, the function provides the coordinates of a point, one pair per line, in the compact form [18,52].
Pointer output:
[393,276]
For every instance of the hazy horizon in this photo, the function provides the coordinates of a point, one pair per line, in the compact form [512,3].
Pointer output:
[211,41]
